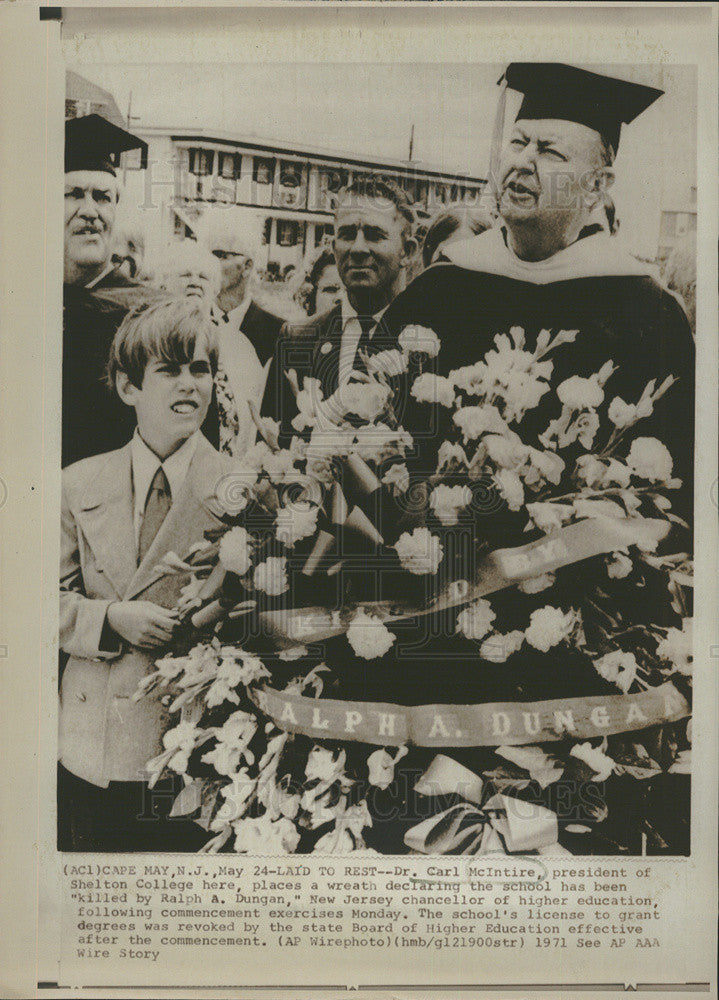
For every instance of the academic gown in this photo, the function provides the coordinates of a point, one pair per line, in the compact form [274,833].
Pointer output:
[621,314]
[624,317]
[94,419]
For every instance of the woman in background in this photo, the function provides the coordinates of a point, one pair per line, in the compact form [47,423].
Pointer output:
[322,288]
[456,222]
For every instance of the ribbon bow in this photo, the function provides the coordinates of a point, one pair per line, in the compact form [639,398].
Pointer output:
[499,824]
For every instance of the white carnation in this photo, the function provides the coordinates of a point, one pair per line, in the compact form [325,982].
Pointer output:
[420,339]
[450,454]
[280,465]
[381,765]
[474,421]
[506,452]
[367,400]
[618,668]
[296,522]
[377,442]
[448,501]
[523,391]
[271,576]
[590,470]
[429,388]
[581,393]
[498,647]
[548,627]
[618,473]
[419,552]
[649,459]
[476,620]
[543,465]
[235,555]
[391,363]
[619,566]
[368,636]
[265,836]
[397,476]
[678,647]
[470,379]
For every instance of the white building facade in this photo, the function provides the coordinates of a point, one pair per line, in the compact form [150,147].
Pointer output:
[282,195]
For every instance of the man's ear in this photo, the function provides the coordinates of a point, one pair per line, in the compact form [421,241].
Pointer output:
[126,389]
[606,178]
[597,184]
[411,246]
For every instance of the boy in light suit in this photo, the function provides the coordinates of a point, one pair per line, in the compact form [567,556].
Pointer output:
[122,512]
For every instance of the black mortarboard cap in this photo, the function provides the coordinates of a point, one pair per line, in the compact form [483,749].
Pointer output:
[603,103]
[94,143]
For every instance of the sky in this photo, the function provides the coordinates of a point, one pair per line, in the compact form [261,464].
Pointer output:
[368,109]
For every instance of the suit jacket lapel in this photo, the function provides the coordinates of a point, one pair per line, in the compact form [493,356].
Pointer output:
[106,519]
[193,509]
[326,357]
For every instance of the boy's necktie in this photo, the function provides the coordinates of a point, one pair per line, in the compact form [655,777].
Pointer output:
[158,503]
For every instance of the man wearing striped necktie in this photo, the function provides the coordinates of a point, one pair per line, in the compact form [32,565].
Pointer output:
[373,246]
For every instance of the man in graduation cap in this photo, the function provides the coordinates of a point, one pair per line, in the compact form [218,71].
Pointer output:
[551,262]
[96,295]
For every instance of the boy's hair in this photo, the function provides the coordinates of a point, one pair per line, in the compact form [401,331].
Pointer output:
[168,330]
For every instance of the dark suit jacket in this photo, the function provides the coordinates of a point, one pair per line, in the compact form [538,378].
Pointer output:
[262,329]
[312,350]
[94,420]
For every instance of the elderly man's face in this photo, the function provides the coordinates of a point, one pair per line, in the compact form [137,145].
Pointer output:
[370,245]
[547,172]
[235,263]
[192,274]
[90,206]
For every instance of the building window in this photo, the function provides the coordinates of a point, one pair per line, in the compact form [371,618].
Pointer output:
[132,159]
[263,169]
[330,182]
[421,192]
[290,173]
[201,162]
[333,180]
[267,231]
[287,232]
[229,166]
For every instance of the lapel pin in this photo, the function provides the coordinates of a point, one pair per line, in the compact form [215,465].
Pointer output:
[326,347]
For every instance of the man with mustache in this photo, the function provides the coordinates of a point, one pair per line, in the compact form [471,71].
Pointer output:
[96,296]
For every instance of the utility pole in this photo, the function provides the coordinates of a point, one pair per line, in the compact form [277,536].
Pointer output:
[411,142]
